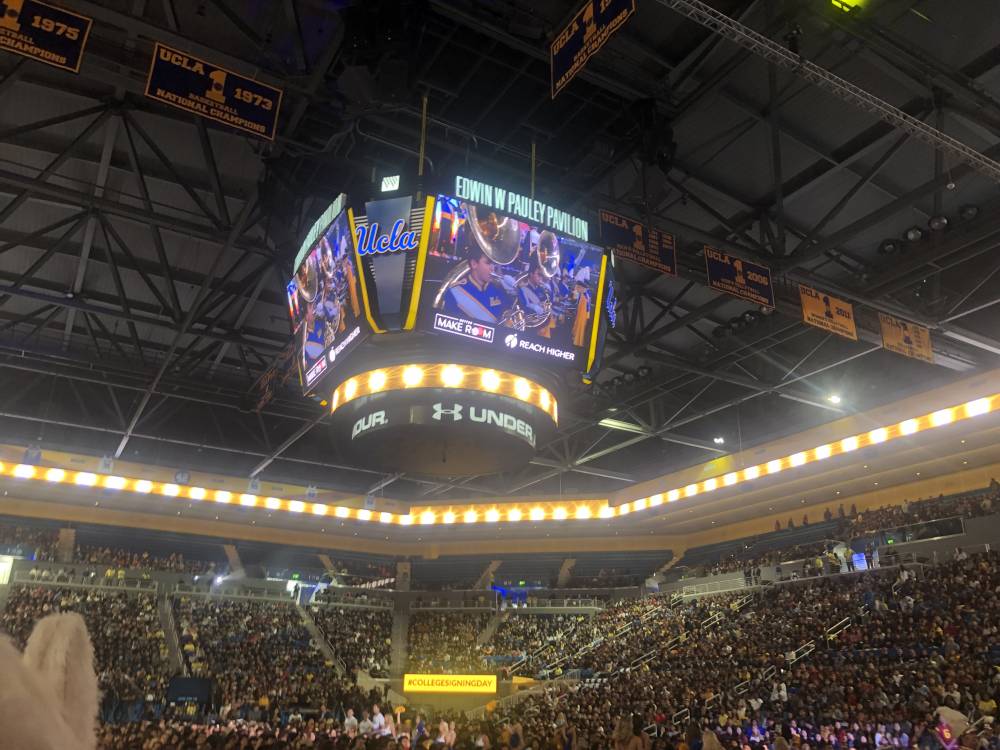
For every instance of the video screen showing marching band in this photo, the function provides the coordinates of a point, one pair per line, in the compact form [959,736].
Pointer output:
[510,284]
[324,300]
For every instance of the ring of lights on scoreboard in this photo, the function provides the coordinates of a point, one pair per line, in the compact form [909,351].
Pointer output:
[464,377]
[551,510]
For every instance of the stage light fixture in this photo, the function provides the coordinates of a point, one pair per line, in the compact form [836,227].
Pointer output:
[937,223]
[272,503]
[490,380]
[537,514]
[376,381]
[492,515]
[888,247]
[144,486]
[968,212]
[364,514]
[296,506]
[559,513]
[452,376]
[448,517]
[85,479]
[582,512]
[170,490]
[914,234]
[55,475]
[644,371]
[249,501]
[834,398]
[319,509]
[470,516]
[719,440]
[514,514]
[339,511]
[119,483]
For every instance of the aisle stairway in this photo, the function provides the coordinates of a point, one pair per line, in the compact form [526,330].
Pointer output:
[491,627]
[165,609]
[321,643]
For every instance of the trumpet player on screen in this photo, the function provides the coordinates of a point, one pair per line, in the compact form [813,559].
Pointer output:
[477,296]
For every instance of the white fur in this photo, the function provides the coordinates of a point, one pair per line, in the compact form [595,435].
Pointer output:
[49,697]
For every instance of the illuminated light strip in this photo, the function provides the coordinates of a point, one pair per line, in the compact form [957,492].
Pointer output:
[565,510]
[445,375]
[877,436]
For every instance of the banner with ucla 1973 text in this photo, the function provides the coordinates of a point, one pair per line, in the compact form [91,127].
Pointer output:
[197,86]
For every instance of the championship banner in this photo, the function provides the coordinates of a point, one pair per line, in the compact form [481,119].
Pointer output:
[583,37]
[450,683]
[632,240]
[738,277]
[828,312]
[908,339]
[217,94]
[44,32]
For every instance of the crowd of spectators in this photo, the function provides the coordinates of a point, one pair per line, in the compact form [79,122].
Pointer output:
[520,635]
[259,653]
[446,642]
[359,636]
[117,557]
[869,525]
[130,648]
[39,543]
[921,643]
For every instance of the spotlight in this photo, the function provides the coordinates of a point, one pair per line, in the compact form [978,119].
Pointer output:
[645,371]
[937,223]
[719,440]
[617,382]
[968,212]
[737,323]
[888,247]
[834,398]
[749,317]
[629,377]
[914,234]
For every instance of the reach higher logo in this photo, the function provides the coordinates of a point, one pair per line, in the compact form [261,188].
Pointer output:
[512,341]
[481,415]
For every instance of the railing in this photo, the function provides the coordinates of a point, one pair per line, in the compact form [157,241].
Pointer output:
[106,584]
[571,602]
[485,606]
[329,599]
[257,595]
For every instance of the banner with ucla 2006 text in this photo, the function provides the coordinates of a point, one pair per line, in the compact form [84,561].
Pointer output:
[201,88]
[738,277]
[44,32]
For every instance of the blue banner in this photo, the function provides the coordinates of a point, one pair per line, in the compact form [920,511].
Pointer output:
[43,32]
[738,277]
[632,240]
[217,94]
[583,37]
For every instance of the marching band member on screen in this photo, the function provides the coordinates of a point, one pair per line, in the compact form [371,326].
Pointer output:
[533,296]
[477,296]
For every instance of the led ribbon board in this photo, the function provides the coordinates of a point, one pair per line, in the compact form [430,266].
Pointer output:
[442,419]
[450,683]
[582,510]
[44,32]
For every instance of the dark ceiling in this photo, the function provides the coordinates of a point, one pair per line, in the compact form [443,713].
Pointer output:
[143,252]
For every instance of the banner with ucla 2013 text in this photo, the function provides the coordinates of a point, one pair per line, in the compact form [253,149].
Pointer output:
[906,338]
[44,32]
[738,277]
[204,89]
[828,312]
[583,37]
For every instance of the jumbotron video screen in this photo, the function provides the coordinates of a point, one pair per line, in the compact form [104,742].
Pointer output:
[511,285]
[324,300]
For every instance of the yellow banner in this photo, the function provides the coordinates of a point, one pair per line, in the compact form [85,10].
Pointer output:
[908,339]
[828,312]
[449,683]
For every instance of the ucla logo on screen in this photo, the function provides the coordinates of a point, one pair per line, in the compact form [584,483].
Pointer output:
[370,241]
